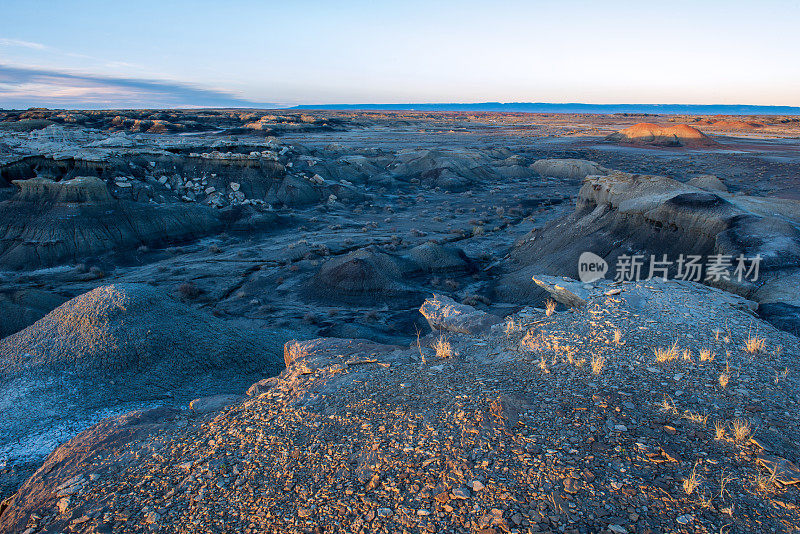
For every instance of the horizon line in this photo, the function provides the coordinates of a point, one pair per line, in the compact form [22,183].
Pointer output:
[521,107]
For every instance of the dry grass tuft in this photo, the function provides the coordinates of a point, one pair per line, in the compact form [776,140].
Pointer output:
[781,375]
[754,344]
[765,484]
[617,336]
[443,348]
[720,431]
[706,355]
[664,355]
[512,327]
[549,307]
[696,417]
[189,291]
[741,429]
[692,482]
[724,378]
[668,406]
[293,351]
[598,362]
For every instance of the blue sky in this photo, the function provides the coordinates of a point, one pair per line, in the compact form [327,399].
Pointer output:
[178,53]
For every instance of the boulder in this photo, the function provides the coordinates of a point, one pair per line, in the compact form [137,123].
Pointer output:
[444,313]
[262,386]
[567,292]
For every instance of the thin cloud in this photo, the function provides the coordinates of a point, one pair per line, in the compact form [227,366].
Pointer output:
[23,44]
[22,87]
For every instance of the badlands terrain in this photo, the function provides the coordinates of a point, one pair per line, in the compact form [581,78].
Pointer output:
[340,321]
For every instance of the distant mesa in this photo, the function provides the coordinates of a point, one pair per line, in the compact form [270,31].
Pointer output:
[733,124]
[646,133]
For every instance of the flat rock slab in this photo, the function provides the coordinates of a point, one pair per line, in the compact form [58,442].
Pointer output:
[567,292]
[783,470]
[444,313]
[214,403]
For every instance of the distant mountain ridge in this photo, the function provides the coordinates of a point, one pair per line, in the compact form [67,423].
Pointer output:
[544,107]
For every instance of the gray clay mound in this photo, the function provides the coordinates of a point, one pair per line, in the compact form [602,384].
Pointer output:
[451,170]
[114,347]
[433,257]
[363,276]
[131,327]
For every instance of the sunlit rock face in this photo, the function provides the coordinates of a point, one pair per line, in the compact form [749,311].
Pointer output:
[656,135]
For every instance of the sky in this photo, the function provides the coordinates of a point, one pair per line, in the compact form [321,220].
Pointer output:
[171,53]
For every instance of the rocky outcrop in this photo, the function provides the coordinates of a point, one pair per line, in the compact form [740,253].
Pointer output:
[84,189]
[568,169]
[732,124]
[680,135]
[623,214]
[50,222]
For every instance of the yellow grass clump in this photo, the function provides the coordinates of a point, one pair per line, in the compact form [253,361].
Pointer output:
[706,355]
[443,348]
[664,355]
[741,429]
[754,344]
[598,362]
[691,482]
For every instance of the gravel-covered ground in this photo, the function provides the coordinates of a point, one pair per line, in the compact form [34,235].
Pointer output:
[521,429]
